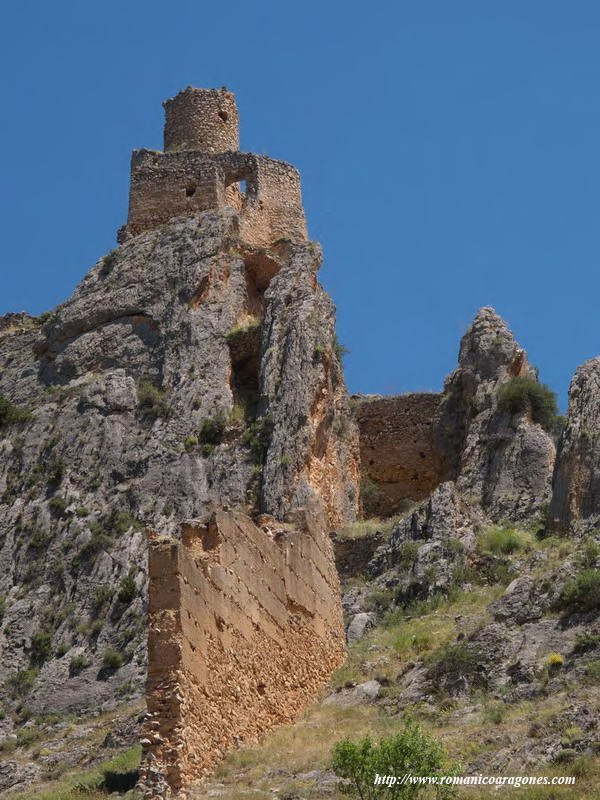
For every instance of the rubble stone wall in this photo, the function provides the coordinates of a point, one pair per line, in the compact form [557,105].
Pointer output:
[399,458]
[245,626]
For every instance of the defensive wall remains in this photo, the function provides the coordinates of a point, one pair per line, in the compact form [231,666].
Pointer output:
[245,626]
[201,168]
[399,458]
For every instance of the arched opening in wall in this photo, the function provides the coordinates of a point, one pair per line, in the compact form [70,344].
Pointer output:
[190,190]
[223,115]
[243,188]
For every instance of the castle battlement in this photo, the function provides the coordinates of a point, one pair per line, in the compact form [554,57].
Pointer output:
[202,168]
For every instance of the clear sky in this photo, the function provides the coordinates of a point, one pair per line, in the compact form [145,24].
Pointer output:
[449,149]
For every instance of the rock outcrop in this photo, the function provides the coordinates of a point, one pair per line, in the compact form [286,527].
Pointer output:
[151,400]
[576,490]
[500,459]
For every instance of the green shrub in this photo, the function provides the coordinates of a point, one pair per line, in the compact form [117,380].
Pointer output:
[379,600]
[591,553]
[127,590]
[339,350]
[41,648]
[211,432]
[2,607]
[152,400]
[120,521]
[257,437]
[27,736]
[411,751]
[108,263]
[457,660]
[586,640]
[99,541]
[55,471]
[77,664]
[21,683]
[112,659]
[10,413]
[407,554]
[58,505]
[503,540]
[189,443]
[100,596]
[521,393]
[581,593]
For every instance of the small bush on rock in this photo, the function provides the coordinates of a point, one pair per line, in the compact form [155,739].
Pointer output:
[211,432]
[581,593]
[457,660]
[112,659]
[522,393]
[411,751]
[503,541]
[152,400]
[128,589]
[10,413]
[41,647]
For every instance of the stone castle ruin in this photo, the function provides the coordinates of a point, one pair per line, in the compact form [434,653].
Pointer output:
[189,398]
[202,168]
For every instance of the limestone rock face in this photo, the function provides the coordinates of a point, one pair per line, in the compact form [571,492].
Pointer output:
[576,494]
[501,460]
[428,545]
[187,372]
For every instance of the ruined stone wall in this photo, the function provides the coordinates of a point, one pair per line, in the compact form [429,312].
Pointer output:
[203,169]
[201,119]
[170,185]
[245,626]
[399,458]
[164,187]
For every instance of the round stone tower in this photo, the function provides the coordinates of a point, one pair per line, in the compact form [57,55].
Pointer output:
[202,119]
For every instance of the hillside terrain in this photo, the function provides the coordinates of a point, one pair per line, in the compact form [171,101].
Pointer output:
[215,563]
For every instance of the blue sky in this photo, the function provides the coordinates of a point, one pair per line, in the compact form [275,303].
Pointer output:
[450,155]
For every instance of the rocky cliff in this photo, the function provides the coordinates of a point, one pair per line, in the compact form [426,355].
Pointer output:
[187,373]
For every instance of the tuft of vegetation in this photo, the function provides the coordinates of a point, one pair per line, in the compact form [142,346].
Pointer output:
[411,751]
[247,326]
[127,590]
[527,394]
[152,400]
[457,660]
[108,263]
[41,648]
[58,504]
[502,540]
[2,607]
[21,683]
[212,432]
[10,413]
[585,641]
[100,596]
[77,664]
[339,350]
[112,659]
[581,593]
[189,443]
[257,437]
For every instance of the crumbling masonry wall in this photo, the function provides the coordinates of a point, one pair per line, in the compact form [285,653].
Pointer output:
[245,626]
[399,457]
[201,168]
